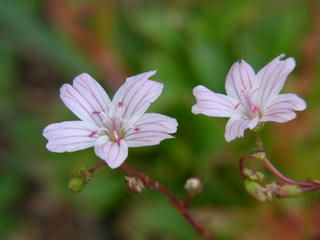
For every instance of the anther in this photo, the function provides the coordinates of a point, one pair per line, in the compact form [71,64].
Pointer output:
[120,104]
[237,106]
[254,91]
[96,112]
[93,133]
[137,129]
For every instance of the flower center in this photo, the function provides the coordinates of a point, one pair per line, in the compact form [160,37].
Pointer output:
[114,125]
[251,109]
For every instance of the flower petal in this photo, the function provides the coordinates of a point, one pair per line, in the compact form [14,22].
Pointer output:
[151,129]
[69,136]
[111,152]
[281,108]
[92,91]
[213,104]
[136,95]
[272,77]
[280,116]
[236,126]
[241,77]
[82,100]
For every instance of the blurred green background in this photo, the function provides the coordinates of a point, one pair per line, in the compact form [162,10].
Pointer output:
[44,44]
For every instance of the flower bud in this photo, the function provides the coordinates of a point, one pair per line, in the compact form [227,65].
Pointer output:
[76,184]
[259,155]
[255,190]
[134,184]
[289,190]
[252,175]
[85,173]
[193,186]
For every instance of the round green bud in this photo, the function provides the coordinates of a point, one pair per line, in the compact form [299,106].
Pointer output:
[76,184]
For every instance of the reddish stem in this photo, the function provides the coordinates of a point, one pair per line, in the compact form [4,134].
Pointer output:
[283,178]
[151,184]
[95,167]
[314,187]
[241,163]
[181,206]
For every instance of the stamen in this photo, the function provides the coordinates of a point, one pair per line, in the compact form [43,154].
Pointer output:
[255,109]
[120,104]
[93,133]
[237,106]
[96,112]
[137,129]
[254,91]
[118,142]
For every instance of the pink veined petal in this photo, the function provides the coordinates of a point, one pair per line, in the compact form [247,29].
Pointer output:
[69,136]
[80,105]
[91,90]
[281,108]
[289,101]
[213,104]
[236,126]
[136,95]
[151,129]
[272,77]
[111,152]
[280,116]
[241,77]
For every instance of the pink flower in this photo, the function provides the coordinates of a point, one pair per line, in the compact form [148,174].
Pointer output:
[110,126]
[251,98]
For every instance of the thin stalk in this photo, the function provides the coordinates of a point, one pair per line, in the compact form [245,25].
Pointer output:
[181,206]
[152,184]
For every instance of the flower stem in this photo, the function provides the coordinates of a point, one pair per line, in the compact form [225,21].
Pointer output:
[152,184]
[259,142]
[283,178]
[275,171]
[181,206]
[95,167]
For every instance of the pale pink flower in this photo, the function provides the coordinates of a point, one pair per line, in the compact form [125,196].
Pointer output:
[110,126]
[251,98]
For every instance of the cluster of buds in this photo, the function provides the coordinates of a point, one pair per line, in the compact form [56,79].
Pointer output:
[77,183]
[134,184]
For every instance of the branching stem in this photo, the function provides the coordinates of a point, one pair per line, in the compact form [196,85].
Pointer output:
[181,206]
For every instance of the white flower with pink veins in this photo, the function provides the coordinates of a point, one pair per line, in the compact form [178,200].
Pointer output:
[110,126]
[251,98]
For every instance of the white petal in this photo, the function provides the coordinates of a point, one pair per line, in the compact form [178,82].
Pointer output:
[236,126]
[69,136]
[282,107]
[151,129]
[91,90]
[288,101]
[111,152]
[213,104]
[240,78]
[136,95]
[80,99]
[280,116]
[272,77]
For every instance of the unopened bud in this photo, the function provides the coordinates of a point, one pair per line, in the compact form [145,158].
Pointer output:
[259,155]
[270,189]
[193,186]
[85,173]
[259,127]
[252,175]
[76,184]
[255,190]
[134,184]
[289,190]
